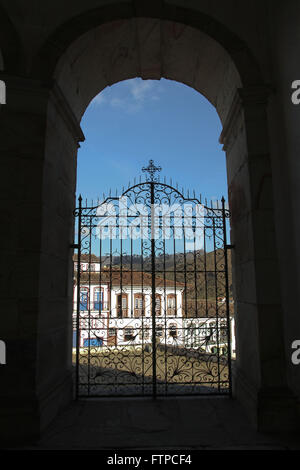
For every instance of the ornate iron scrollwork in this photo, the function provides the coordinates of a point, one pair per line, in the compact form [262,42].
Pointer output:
[151,314]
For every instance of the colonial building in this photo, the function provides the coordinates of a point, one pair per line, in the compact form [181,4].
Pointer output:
[115,309]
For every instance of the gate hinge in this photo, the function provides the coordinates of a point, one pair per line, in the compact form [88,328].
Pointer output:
[74,245]
[229,247]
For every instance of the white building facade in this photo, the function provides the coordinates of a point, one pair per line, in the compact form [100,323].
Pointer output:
[115,310]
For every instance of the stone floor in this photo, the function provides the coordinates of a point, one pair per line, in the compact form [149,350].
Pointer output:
[173,423]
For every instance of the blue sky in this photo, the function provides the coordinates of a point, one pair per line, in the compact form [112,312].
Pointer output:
[136,120]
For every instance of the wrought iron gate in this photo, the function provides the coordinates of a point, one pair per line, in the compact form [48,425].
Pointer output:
[152,305]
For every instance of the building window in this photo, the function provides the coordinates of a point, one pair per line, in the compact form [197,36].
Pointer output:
[159,331]
[173,331]
[171,304]
[139,305]
[98,299]
[128,334]
[157,304]
[84,298]
[122,305]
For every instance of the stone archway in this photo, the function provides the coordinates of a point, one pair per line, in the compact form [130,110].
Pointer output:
[76,62]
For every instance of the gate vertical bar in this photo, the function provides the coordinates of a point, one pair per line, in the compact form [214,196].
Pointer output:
[227,295]
[153,289]
[89,300]
[78,296]
[217,322]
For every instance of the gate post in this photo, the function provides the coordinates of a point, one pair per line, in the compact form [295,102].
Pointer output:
[228,320]
[78,330]
[37,203]
[260,380]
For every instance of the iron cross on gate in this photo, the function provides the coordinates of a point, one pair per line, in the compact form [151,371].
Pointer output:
[151,169]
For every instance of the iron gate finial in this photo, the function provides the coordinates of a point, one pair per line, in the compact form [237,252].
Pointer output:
[151,169]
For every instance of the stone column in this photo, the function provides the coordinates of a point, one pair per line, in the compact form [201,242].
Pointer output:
[38,175]
[260,380]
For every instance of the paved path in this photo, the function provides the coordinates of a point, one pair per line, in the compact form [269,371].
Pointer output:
[173,423]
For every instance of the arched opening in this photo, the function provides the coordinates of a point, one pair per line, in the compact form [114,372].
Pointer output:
[122,124]
[153,48]
[117,51]
[79,59]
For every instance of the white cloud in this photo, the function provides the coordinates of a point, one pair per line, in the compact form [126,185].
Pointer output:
[140,89]
[132,98]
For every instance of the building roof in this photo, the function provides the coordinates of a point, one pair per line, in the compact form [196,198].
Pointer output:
[86,258]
